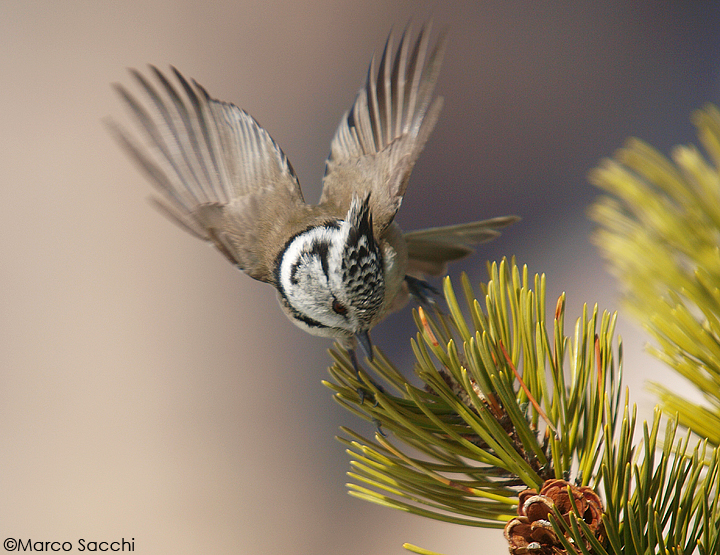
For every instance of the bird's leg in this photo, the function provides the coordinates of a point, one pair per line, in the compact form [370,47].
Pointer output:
[356,367]
[421,290]
[363,339]
[361,391]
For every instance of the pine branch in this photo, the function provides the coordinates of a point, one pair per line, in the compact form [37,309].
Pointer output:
[521,428]
[660,231]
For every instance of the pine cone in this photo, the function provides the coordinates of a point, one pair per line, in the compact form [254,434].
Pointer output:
[531,531]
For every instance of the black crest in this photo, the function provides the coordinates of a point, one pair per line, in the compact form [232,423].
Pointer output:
[362,264]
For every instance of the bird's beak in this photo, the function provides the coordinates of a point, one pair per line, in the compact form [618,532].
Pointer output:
[363,338]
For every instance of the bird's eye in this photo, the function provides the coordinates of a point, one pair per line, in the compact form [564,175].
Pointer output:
[339,308]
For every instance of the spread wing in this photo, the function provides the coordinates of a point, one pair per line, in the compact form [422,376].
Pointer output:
[380,138]
[218,174]
[429,250]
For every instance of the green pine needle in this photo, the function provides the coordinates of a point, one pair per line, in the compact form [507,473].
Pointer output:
[475,435]
[660,232]
[508,402]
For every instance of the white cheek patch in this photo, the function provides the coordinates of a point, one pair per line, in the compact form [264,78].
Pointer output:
[297,253]
[309,273]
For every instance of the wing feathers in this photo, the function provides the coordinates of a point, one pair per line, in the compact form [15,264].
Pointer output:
[173,135]
[385,96]
[471,232]
[221,177]
[429,250]
[379,139]
[204,145]
[208,160]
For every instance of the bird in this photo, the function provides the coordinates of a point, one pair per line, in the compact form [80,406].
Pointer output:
[342,265]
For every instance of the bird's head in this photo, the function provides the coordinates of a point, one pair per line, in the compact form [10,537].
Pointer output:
[331,276]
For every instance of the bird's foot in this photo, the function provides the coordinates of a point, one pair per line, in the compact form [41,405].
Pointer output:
[360,390]
[421,290]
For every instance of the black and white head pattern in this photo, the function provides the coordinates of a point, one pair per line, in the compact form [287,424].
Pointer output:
[331,276]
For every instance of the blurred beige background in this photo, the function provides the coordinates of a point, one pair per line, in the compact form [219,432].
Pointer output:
[150,391]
